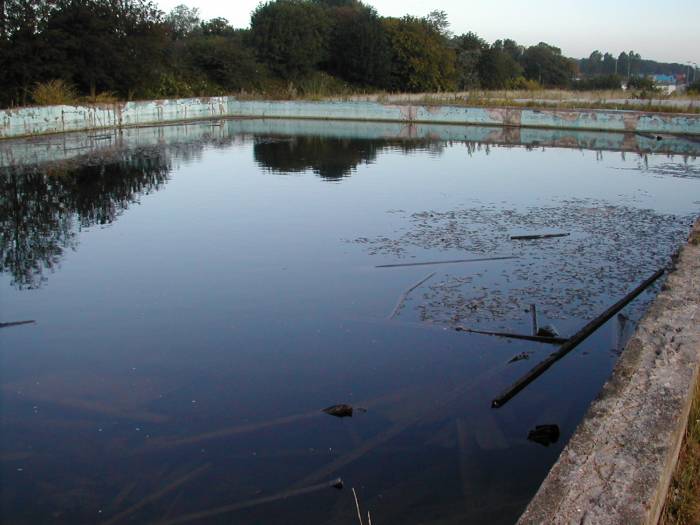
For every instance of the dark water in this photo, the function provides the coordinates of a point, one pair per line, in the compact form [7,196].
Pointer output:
[197,306]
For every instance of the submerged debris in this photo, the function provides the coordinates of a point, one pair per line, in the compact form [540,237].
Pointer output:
[342,410]
[536,338]
[548,331]
[404,296]
[544,434]
[16,323]
[674,169]
[610,246]
[520,357]
[540,236]
[338,484]
[454,261]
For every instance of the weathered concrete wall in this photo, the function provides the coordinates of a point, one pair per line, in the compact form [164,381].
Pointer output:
[58,119]
[618,465]
[37,150]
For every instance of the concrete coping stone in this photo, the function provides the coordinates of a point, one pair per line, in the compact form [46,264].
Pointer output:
[618,465]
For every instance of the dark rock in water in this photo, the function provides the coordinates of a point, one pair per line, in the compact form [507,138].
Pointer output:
[342,410]
[338,484]
[548,331]
[544,434]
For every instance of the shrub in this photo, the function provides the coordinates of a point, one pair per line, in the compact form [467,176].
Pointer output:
[54,92]
[642,83]
[598,83]
[522,83]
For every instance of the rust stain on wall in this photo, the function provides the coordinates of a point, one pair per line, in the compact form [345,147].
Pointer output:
[631,120]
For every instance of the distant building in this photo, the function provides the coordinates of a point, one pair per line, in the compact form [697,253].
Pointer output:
[665,83]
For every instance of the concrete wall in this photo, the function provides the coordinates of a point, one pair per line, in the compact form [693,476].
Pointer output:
[58,119]
[618,465]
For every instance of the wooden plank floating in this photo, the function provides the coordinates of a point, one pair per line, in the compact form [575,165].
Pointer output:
[453,261]
[573,342]
[404,295]
[535,338]
[533,314]
[535,237]
[16,323]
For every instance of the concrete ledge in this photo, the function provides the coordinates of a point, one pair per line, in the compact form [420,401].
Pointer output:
[618,465]
[60,119]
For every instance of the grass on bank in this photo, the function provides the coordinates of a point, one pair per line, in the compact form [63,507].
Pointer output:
[683,502]
[321,86]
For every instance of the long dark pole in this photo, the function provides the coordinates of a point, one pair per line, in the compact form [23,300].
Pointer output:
[535,338]
[573,342]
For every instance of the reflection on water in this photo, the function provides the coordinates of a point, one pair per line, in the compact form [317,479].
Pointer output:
[41,212]
[183,357]
[330,158]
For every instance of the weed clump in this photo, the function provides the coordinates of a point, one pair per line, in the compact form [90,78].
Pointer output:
[54,92]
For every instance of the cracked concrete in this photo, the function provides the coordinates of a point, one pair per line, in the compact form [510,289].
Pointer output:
[618,465]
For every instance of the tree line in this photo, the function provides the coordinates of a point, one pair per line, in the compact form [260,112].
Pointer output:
[126,49]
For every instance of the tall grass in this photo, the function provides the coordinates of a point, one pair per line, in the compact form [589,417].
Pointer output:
[683,502]
[54,92]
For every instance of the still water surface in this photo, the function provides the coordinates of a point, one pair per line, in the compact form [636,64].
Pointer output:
[198,306]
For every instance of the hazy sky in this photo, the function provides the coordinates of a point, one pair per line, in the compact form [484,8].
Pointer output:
[666,30]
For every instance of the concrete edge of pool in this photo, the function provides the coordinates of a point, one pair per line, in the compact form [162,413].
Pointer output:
[618,465]
[59,119]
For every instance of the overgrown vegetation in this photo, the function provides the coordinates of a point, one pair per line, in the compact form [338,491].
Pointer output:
[54,92]
[683,502]
[102,50]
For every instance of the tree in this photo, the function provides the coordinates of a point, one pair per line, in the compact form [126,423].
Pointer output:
[359,47]
[469,48]
[510,47]
[439,23]
[421,59]
[220,54]
[291,35]
[496,68]
[182,21]
[217,26]
[609,65]
[106,45]
[595,63]
[546,64]
[22,49]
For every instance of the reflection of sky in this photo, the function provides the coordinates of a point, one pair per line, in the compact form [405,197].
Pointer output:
[234,287]
[665,31]
[224,213]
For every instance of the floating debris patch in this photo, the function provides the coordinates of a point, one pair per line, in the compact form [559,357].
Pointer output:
[609,249]
[673,169]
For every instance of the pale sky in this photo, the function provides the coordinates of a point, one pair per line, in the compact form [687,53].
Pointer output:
[664,30]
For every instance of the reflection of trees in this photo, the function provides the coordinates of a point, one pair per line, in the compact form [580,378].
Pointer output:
[42,211]
[331,158]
